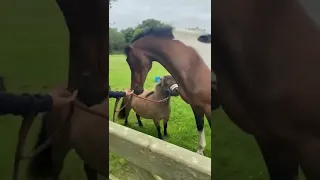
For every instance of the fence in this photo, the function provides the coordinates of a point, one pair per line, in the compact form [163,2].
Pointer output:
[154,159]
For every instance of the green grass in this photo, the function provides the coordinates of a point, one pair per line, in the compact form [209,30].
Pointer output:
[181,126]
[33,53]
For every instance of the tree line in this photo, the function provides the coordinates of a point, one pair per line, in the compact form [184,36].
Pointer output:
[119,39]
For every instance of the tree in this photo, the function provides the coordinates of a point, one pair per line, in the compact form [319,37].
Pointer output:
[128,34]
[117,41]
[151,23]
[137,31]
[148,24]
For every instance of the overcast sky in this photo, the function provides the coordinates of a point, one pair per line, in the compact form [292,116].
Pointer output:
[179,13]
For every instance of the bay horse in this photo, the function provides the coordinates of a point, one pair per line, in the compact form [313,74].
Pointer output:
[153,104]
[183,62]
[77,126]
[266,58]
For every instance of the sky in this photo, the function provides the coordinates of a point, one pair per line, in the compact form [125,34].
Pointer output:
[179,13]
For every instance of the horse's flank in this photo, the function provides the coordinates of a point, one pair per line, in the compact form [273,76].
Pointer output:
[266,58]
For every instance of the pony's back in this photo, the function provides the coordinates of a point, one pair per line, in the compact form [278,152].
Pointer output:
[190,38]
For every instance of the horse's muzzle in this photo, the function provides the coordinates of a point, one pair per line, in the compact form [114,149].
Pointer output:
[138,90]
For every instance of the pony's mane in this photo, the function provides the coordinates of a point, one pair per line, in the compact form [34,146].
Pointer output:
[157,32]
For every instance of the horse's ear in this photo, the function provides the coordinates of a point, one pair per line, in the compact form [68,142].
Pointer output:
[127,49]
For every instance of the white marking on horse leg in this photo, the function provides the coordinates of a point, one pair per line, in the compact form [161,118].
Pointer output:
[201,142]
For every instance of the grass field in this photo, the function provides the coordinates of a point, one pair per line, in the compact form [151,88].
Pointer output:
[181,126]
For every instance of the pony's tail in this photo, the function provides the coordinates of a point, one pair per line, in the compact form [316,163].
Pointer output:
[122,113]
[40,166]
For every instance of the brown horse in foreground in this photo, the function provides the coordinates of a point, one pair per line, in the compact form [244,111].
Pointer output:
[79,128]
[153,104]
[184,64]
[267,59]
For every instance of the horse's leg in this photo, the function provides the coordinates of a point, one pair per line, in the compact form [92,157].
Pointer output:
[139,120]
[90,173]
[199,115]
[157,124]
[207,110]
[165,125]
[280,160]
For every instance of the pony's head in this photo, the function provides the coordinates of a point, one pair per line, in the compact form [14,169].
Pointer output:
[168,84]
[139,65]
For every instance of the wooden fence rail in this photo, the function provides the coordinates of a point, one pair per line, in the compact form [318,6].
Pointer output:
[154,159]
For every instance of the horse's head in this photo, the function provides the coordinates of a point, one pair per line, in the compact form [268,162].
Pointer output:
[205,38]
[169,85]
[139,65]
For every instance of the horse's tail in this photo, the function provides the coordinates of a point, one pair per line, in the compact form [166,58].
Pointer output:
[41,165]
[122,113]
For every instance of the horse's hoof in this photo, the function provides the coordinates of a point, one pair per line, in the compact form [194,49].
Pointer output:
[200,152]
[140,124]
[165,138]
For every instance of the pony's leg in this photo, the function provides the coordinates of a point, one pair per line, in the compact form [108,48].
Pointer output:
[280,161]
[165,125]
[157,124]
[199,115]
[90,173]
[58,154]
[128,109]
[139,120]
[49,162]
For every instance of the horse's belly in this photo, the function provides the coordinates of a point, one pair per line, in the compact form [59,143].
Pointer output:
[143,113]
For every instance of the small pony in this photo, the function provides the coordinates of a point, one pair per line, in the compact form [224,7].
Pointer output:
[152,104]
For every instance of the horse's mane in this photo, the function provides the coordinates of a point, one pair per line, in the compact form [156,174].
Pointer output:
[165,32]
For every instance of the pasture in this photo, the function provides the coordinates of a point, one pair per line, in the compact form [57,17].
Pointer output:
[181,126]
